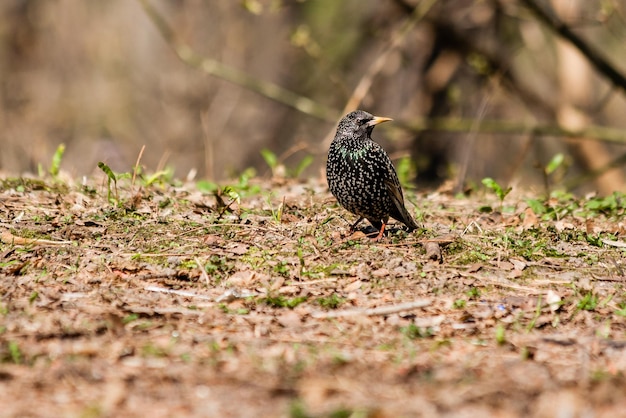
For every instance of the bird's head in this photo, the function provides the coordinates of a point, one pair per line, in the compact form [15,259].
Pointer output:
[358,125]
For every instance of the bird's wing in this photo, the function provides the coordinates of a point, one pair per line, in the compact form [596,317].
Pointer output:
[392,183]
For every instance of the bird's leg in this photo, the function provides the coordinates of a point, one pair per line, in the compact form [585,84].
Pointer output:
[353,227]
[381,232]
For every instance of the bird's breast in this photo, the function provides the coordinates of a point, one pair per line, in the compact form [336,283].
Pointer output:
[356,177]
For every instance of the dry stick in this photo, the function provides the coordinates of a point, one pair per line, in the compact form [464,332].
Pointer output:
[235,76]
[9,238]
[300,146]
[612,243]
[508,284]
[132,182]
[153,254]
[381,310]
[163,311]
[177,292]
[255,227]
[203,272]
[163,160]
[307,283]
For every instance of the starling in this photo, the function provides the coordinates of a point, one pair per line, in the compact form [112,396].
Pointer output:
[361,176]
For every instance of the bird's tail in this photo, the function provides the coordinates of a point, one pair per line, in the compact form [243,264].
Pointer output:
[398,211]
[406,218]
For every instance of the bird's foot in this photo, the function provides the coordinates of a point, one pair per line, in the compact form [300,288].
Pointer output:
[381,233]
[353,227]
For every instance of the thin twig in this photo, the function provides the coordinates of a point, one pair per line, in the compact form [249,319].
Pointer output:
[8,238]
[177,292]
[132,182]
[310,282]
[300,146]
[612,243]
[381,310]
[507,284]
[203,272]
[163,311]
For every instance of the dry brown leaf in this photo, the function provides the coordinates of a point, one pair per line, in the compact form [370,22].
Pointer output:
[530,219]
[355,285]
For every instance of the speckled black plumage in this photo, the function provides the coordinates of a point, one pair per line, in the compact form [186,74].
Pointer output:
[361,176]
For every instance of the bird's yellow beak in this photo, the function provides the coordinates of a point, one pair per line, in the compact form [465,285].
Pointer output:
[377,120]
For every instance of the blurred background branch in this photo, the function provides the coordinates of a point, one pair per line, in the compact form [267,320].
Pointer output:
[592,55]
[233,75]
[508,128]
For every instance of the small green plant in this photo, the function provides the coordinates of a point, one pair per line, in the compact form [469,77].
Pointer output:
[277,214]
[270,159]
[206,186]
[111,178]
[612,205]
[55,167]
[622,309]
[537,206]
[33,297]
[500,334]
[588,302]
[533,321]
[273,162]
[161,177]
[282,268]
[151,350]
[232,194]
[413,332]
[242,188]
[218,267]
[459,304]
[225,198]
[298,410]
[130,318]
[15,353]
[283,302]
[555,166]
[556,162]
[473,293]
[239,311]
[302,165]
[331,302]
[500,192]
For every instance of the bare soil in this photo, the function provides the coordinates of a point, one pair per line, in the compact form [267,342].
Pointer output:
[164,302]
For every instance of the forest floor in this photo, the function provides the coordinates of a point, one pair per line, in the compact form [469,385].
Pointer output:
[158,299]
